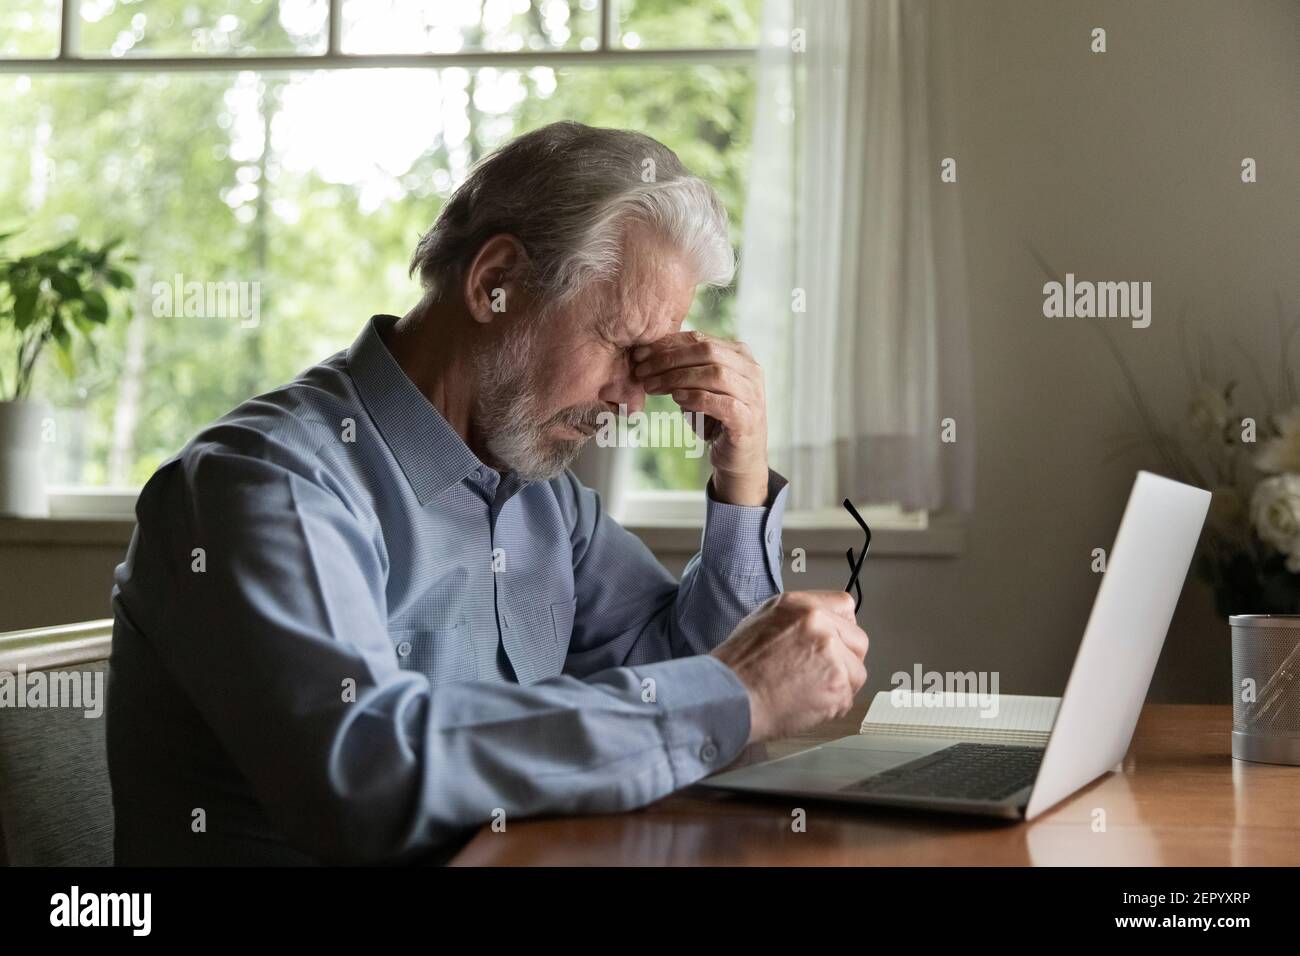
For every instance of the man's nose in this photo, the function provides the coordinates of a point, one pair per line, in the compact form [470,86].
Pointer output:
[625,390]
[637,401]
[631,398]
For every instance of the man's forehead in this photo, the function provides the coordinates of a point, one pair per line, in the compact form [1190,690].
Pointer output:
[655,293]
[642,323]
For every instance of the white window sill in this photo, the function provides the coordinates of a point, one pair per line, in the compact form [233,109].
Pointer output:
[944,536]
[668,522]
[103,517]
[65,531]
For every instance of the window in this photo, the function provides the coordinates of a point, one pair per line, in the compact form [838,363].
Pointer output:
[302,146]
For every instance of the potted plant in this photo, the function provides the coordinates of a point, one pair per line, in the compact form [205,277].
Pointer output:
[52,297]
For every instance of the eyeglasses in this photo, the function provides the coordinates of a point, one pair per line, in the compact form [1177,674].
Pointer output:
[855,565]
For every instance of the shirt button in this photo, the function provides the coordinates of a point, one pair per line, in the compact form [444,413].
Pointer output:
[404,649]
[476,474]
[709,752]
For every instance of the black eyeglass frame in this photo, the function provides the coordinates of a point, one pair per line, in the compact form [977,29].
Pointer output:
[855,565]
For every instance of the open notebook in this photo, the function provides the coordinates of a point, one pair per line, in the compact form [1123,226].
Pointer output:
[996,718]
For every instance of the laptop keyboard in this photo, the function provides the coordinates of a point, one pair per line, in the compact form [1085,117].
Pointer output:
[960,772]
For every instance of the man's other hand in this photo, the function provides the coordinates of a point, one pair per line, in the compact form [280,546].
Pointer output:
[720,379]
[801,657]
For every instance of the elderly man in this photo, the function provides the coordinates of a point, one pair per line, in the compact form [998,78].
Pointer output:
[371,609]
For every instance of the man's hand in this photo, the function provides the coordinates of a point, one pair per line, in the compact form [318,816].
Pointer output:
[719,379]
[801,657]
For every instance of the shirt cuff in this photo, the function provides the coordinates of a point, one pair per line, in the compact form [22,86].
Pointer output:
[704,715]
[745,541]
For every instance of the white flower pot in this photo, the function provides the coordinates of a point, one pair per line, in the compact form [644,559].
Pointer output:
[22,472]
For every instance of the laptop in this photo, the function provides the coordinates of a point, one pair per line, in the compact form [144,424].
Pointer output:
[1094,722]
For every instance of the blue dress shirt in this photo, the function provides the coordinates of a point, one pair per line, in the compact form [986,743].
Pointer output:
[339,636]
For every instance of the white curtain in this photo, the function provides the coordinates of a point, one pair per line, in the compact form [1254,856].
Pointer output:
[846,209]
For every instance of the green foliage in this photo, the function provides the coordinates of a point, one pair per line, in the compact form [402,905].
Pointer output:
[207,176]
[48,297]
[670,23]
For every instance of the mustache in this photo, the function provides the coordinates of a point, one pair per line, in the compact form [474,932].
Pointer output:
[587,417]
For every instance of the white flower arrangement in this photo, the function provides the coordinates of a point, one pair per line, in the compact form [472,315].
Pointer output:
[1250,551]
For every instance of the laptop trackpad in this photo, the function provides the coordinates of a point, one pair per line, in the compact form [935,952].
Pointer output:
[845,761]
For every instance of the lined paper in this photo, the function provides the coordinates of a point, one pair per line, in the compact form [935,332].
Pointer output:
[994,718]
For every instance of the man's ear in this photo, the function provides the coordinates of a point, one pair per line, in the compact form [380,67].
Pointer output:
[492,279]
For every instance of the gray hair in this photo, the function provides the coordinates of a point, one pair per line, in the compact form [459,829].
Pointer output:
[567,192]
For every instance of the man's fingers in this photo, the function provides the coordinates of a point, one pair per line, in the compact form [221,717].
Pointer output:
[854,638]
[856,667]
[727,410]
[713,378]
[692,353]
[839,603]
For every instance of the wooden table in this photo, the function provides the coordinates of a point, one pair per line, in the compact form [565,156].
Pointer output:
[1181,801]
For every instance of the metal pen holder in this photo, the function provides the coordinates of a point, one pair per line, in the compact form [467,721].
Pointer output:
[1266,687]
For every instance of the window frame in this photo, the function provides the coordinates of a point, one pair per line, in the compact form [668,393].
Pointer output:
[71,59]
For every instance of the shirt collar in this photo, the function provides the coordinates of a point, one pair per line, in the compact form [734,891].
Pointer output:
[428,450]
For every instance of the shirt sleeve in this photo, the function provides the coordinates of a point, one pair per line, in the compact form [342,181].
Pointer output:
[264,596]
[631,610]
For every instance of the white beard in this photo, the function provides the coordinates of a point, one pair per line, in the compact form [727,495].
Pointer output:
[510,417]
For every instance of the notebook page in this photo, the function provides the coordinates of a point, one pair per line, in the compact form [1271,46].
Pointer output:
[995,718]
